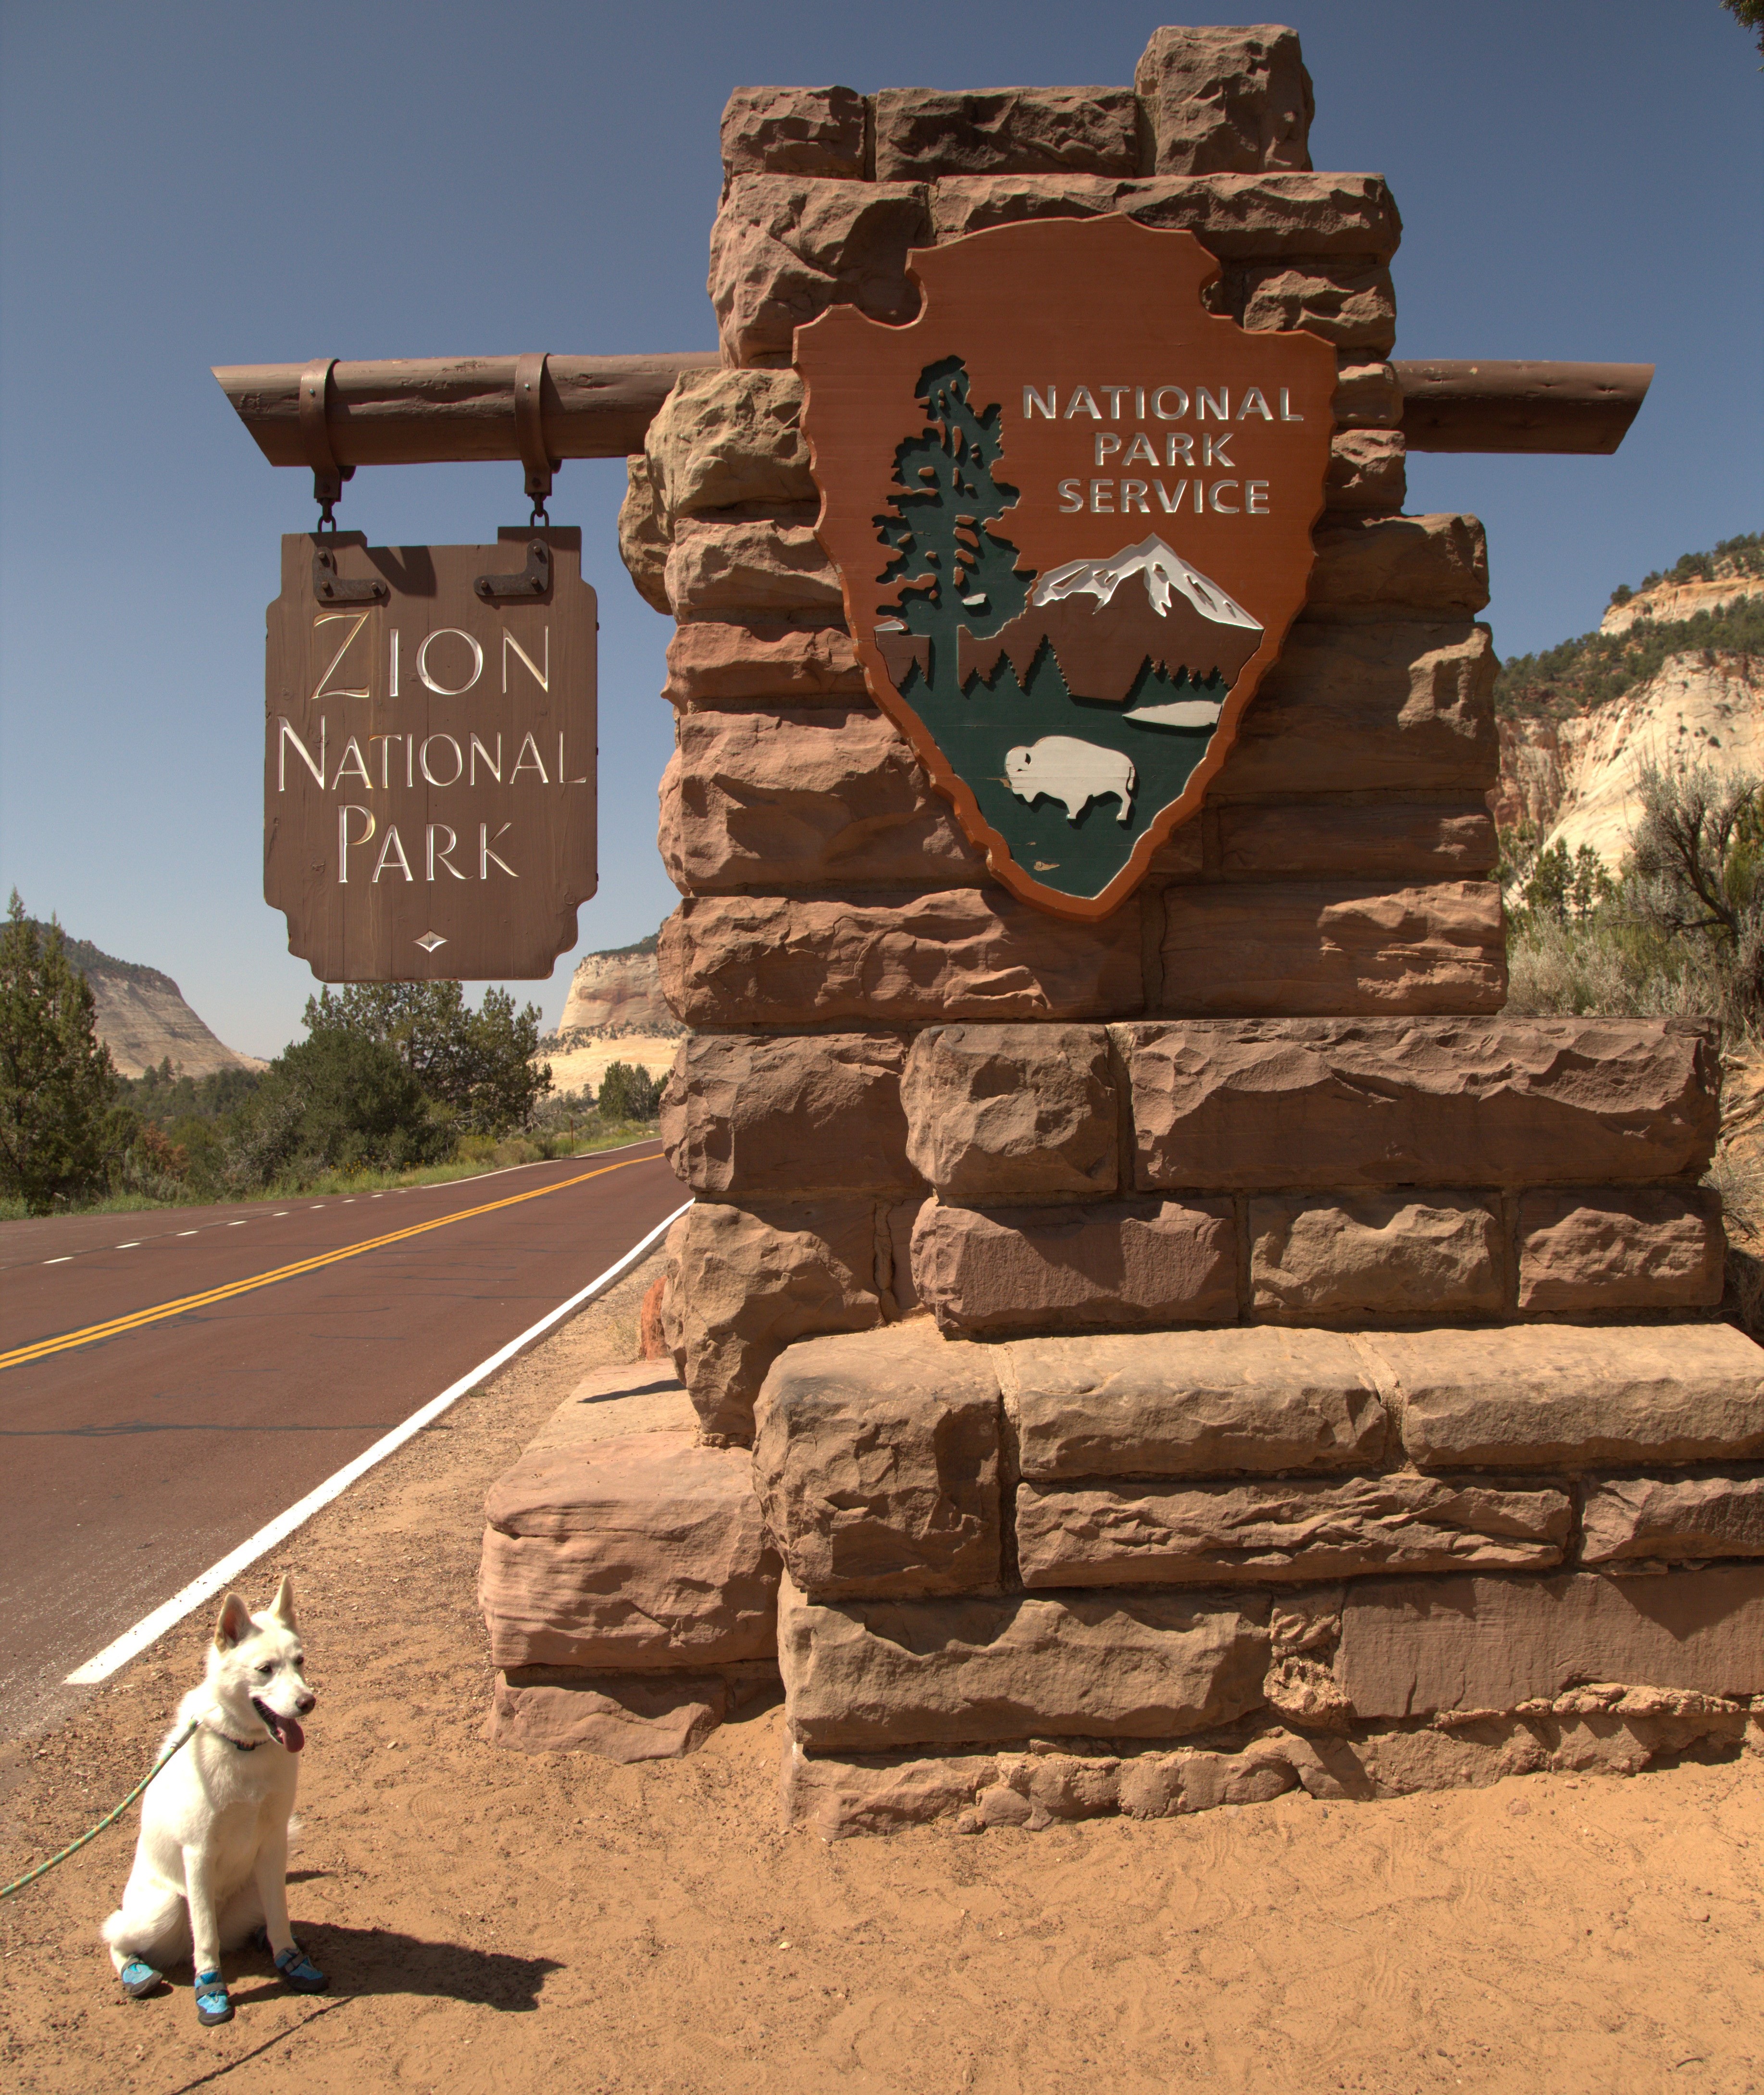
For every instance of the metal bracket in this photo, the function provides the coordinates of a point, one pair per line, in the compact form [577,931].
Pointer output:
[330,587]
[529,432]
[534,579]
[328,476]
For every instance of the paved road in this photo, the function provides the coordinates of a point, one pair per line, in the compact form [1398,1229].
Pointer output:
[129,1464]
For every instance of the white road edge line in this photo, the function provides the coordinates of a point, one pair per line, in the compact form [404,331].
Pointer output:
[152,1627]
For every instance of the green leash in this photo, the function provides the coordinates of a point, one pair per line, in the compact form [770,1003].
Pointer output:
[73,1847]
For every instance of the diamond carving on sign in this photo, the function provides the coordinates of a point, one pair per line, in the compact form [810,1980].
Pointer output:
[431,942]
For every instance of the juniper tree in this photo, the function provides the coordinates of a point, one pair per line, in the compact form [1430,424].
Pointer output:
[479,1063]
[63,1124]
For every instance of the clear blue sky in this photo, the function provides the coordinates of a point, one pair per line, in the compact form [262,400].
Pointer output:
[186,184]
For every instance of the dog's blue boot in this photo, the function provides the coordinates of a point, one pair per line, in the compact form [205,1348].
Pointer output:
[213,2003]
[299,1971]
[137,1979]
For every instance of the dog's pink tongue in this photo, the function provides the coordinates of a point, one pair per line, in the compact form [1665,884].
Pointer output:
[292,1736]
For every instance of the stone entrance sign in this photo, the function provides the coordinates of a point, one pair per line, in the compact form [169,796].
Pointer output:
[1071,509]
[429,759]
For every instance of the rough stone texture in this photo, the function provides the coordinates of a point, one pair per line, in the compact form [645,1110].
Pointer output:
[1367,470]
[783,250]
[747,1118]
[1434,566]
[794,131]
[1338,947]
[1257,1103]
[642,1551]
[1351,308]
[1367,396]
[1671,1519]
[1599,1250]
[722,437]
[897,1227]
[1143,1262]
[998,1113]
[1411,1647]
[922,132]
[1299,1528]
[873,1674]
[1157,1785]
[973,203]
[1186,1404]
[1239,218]
[1602,1732]
[1393,840]
[1613,1739]
[643,536]
[1351,708]
[1532,1394]
[1226,99]
[714,663]
[972,953]
[876,1459]
[825,796]
[1375,1257]
[1250,218]
[624,1717]
[750,1283]
[715,569]
[881,1793]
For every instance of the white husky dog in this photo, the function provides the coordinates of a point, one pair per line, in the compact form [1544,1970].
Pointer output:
[210,1864]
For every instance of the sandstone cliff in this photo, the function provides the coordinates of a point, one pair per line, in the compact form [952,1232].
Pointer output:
[1674,676]
[617,994]
[1669,601]
[1575,781]
[143,1020]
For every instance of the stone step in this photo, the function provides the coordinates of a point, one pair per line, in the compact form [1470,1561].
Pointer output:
[868,1675]
[897,1463]
[878,1676]
[626,1553]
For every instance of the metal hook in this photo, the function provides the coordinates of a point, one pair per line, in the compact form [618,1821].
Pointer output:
[328,476]
[529,432]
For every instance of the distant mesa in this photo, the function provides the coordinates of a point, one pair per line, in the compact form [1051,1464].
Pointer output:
[1106,621]
[617,994]
[142,1018]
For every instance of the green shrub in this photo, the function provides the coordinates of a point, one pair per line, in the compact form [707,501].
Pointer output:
[627,1093]
[336,1101]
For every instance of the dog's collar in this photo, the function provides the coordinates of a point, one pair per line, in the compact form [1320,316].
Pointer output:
[238,1745]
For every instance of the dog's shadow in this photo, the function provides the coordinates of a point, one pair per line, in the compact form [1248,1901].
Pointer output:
[380,1960]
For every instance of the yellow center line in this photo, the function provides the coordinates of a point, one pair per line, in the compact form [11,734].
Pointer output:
[92,1333]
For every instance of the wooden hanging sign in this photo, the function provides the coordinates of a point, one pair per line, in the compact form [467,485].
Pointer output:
[428,759]
[1071,509]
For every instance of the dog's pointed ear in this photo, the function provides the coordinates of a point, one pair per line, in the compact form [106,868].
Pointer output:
[234,1625]
[281,1610]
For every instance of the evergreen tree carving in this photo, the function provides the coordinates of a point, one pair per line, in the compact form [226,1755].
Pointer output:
[954,569]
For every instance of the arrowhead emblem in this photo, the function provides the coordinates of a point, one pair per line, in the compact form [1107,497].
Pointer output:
[1071,510]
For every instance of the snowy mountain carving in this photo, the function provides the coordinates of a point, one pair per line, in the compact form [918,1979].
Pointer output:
[1105,622]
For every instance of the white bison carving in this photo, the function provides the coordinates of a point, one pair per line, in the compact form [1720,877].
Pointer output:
[1060,767]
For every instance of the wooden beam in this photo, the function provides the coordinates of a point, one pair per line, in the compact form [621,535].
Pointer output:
[1520,407]
[421,411]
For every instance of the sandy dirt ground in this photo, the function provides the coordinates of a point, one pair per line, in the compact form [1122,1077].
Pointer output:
[497,1922]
